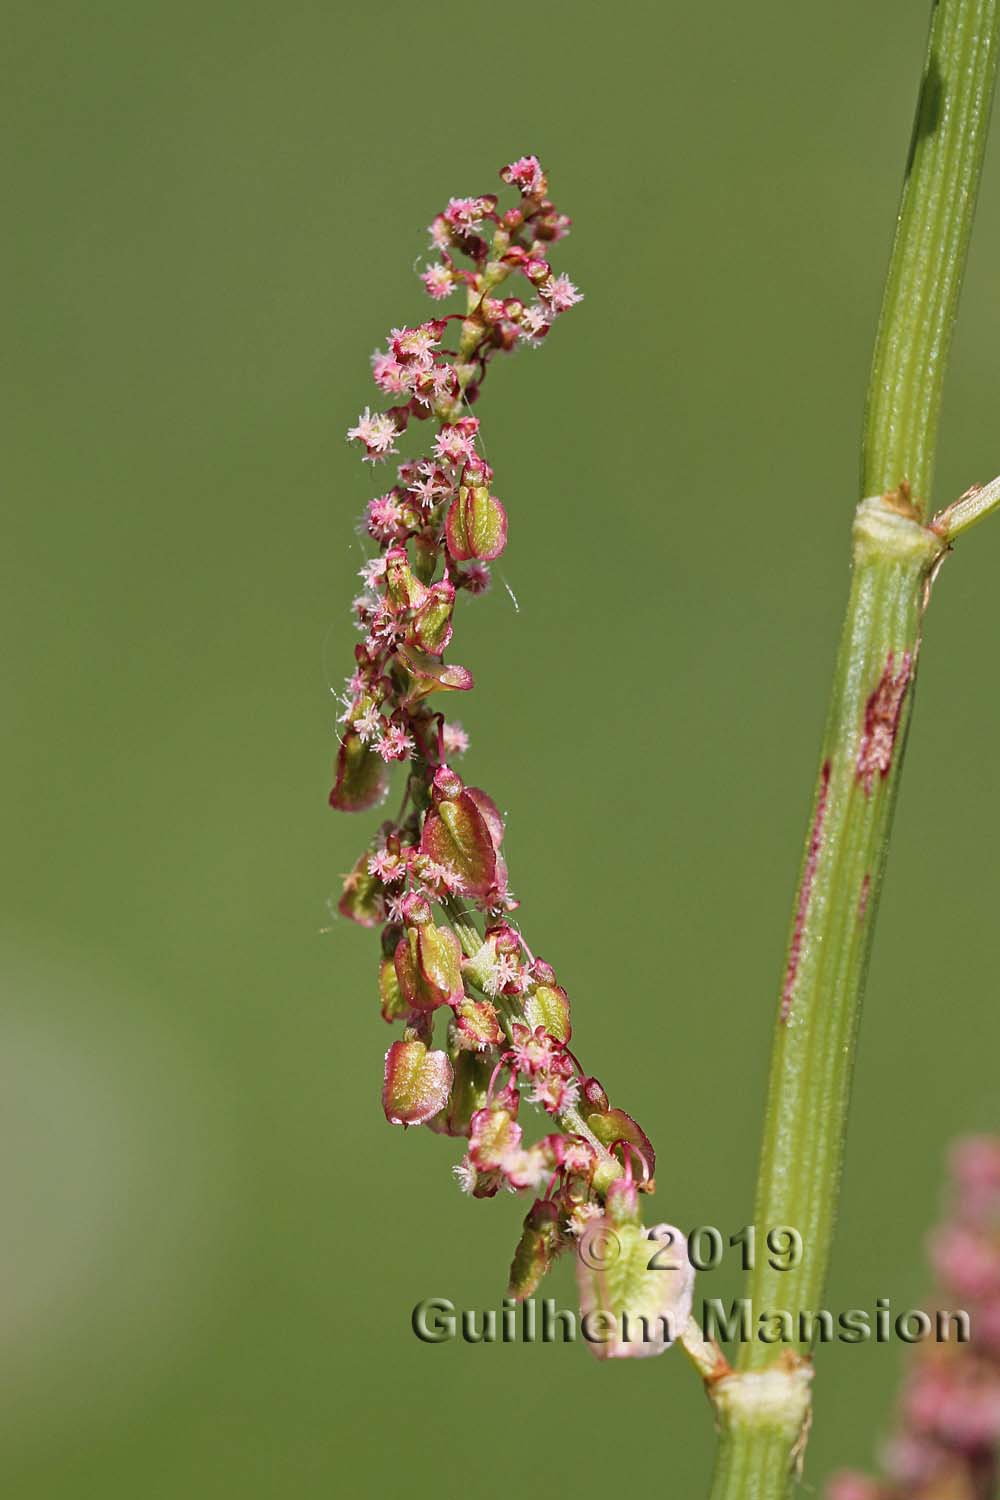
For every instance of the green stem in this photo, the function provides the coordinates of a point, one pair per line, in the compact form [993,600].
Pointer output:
[929,253]
[813,1054]
[895,557]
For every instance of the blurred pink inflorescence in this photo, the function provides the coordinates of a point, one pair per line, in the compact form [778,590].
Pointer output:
[947,1435]
[438,528]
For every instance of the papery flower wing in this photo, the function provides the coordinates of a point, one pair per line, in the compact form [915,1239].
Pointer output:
[439,955]
[416,1083]
[636,1285]
[615,1125]
[476,525]
[456,834]
[548,1005]
[360,776]
[469,1092]
[430,676]
[361,899]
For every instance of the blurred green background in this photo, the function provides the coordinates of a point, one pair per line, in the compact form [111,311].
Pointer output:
[212,1241]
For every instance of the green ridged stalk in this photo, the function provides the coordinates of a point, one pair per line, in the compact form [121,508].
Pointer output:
[763,1408]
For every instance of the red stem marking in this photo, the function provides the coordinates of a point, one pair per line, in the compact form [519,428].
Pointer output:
[805,893]
[866,885]
[882,714]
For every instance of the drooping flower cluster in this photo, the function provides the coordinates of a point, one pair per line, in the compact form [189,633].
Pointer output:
[437,528]
[946,1444]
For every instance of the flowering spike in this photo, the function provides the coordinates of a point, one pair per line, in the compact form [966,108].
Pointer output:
[437,526]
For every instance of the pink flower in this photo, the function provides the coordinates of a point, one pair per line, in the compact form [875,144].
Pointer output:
[503,972]
[454,740]
[415,346]
[368,725]
[457,444]
[394,908]
[433,383]
[440,233]
[373,570]
[534,324]
[439,280]
[476,578]
[389,867]
[436,874]
[383,517]
[389,374]
[466,214]
[526,173]
[377,432]
[554,1093]
[967,1262]
[560,293]
[431,485]
[395,744]
[532,1052]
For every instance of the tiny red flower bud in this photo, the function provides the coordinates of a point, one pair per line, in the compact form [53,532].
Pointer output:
[622,1201]
[477,471]
[526,174]
[446,783]
[592,1096]
[415,910]
[476,525]
[416,1083]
